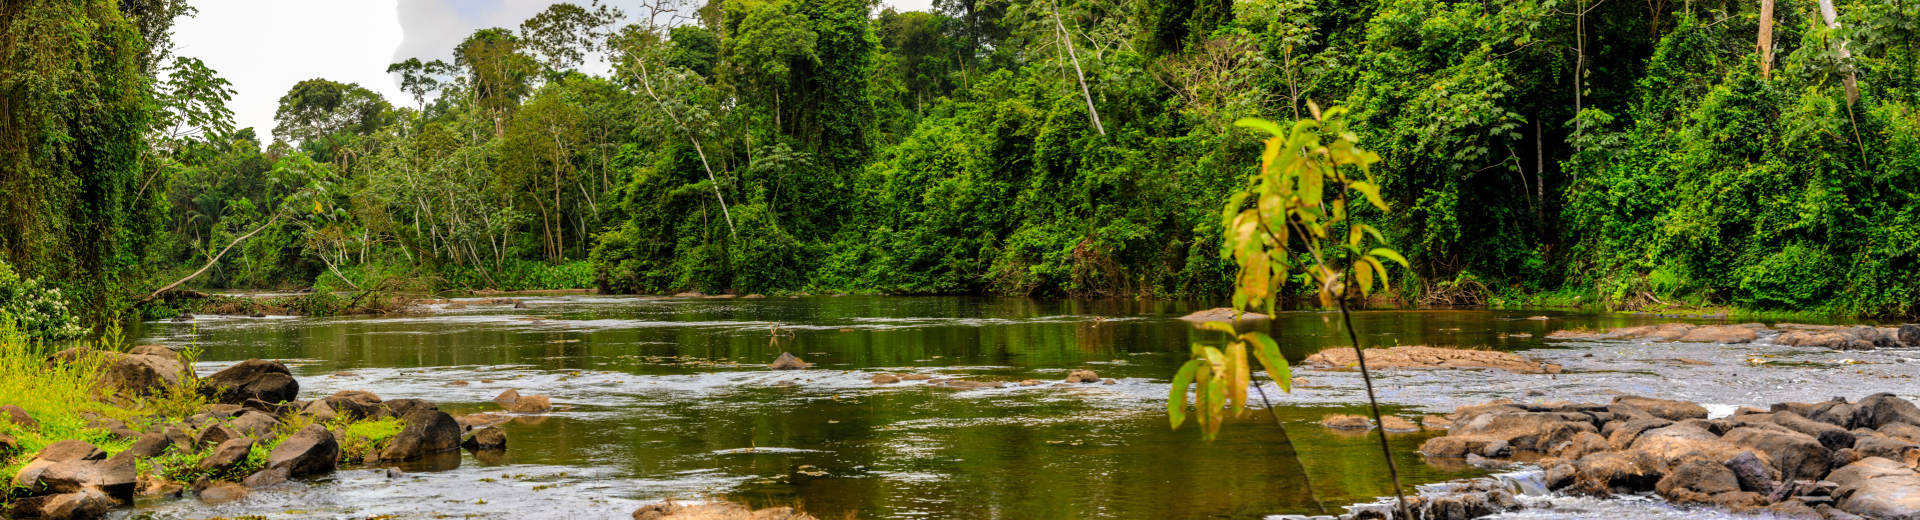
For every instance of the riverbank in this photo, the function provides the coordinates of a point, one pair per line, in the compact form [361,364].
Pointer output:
[91,429]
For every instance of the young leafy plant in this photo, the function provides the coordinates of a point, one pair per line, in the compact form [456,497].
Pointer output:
[1300,198]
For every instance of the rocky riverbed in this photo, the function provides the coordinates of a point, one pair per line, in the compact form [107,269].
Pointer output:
[1585,435]
[250,434]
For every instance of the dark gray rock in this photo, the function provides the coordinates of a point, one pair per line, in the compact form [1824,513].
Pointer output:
[486,439]
[1753,474]
[1796,455]
[268,381]
[1830,436]
[265,478]
[312,450]
[227,455]
[427,431]
[151,445]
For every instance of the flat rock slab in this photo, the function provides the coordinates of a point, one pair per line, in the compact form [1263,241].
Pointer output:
[1222,314]
[1429,357]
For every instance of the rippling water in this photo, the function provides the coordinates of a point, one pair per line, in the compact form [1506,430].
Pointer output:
[671,400]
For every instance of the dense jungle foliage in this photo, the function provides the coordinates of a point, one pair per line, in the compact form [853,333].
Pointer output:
[1619,153]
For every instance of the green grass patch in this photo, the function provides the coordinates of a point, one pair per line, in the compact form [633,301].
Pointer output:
[367,438]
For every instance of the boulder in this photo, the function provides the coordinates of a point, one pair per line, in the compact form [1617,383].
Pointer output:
[1083,376]
[354,404]
[214,435]
[531,404]
[1833,437]
[1428,357]
[268,381]
[1877,488]
[1754,474]
[155,350]
[1887,448]
[151,445]
[1719,334]
[1628,471]
[506,399]
[227,455]
[885,379]
[787,361]
[84,504]
[70,450]
[486,439]
[18,416]
[320,411]
[715,511]
[265,478]
[1346,422]
[404,407]
[1679,444]
[1910,334]
[1884,409]
[1394,423]
[116,476]
[1581,445]
[254,424]
[218,492]
[1223,314]
[1664,408]
[1621,434]
[1796,455]
[310,451]
[427,431]
[1696,482]
[143,374]
[1840,413]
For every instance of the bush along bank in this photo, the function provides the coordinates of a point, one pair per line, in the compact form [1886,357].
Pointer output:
[150,428]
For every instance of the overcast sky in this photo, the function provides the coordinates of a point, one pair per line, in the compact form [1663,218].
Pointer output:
[266,46]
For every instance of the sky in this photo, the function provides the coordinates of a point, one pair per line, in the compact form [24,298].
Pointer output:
[264,47]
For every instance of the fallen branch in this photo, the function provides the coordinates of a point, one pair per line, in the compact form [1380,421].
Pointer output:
[211,261]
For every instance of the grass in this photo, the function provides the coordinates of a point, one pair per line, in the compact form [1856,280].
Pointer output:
[369,437]
[53,394]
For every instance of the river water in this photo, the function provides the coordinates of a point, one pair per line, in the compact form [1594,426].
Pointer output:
[670,399]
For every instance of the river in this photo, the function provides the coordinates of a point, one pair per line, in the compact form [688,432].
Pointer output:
[670,398]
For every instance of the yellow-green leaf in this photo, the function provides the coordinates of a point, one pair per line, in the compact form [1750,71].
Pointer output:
[1390,255]
[1177,397]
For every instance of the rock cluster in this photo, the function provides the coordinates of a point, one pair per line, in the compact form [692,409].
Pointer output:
[716,511]
[72,479]
[1788,334]
[1429,357]
[1797,460]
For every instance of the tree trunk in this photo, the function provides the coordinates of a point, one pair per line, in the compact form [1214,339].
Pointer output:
[1766,39]
[1068,41]
[1832,17]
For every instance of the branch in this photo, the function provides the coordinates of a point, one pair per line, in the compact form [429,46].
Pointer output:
[1068,40]
[214,260]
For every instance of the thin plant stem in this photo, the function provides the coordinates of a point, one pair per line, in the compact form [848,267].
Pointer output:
[1289,440]
[1400,499]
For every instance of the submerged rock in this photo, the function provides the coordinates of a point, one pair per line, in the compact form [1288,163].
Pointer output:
[1083,376]
[1346,422]
[885,379]
[1223,314]
[1428,357]
[716,511]
[787,361]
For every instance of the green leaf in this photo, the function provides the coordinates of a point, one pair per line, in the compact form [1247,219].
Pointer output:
[1258,124]
[1218,326]
[1390,255]
[1177,397]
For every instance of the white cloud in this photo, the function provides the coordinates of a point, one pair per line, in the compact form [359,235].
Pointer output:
[265,47]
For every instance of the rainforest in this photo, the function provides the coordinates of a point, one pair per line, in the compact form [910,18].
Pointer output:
[1621,155]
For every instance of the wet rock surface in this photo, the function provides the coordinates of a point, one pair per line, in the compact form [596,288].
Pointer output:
[716,511]
[1428,357]
[1777,461]
[268,381]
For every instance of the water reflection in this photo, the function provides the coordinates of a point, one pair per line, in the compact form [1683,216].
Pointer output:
[671,399]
